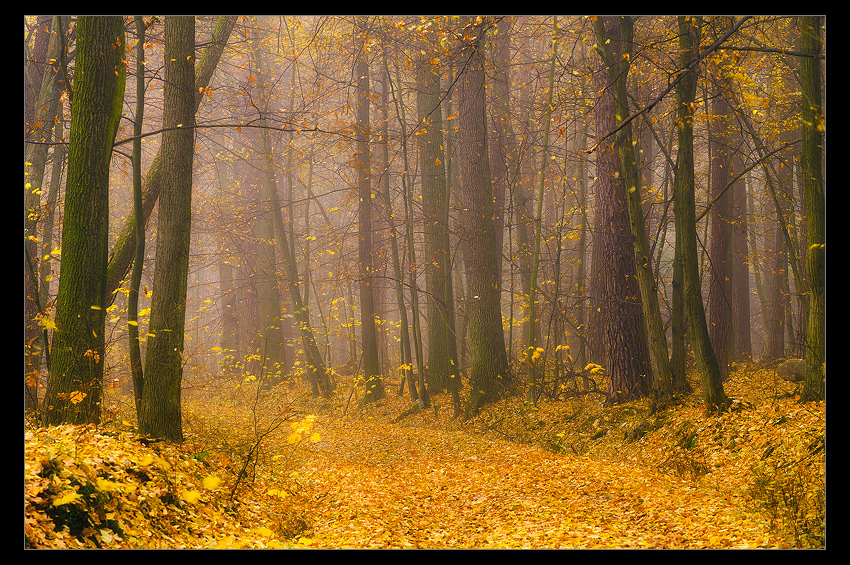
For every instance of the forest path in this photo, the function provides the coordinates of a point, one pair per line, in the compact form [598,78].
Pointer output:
[394,486]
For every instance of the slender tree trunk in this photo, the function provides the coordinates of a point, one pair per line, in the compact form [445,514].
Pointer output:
[371,366]
[75,385]
[407,197]
[42,107]
[814,385]
[404,324]
[270,346]
[160,414]
[739,256]
[487,340]
[531,350]
[498,144]
[712,384]
[136,366]
[581,286]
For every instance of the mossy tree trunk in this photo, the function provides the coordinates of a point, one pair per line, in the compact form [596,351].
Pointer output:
[442,349]
[712,385]
[75,384]
[814,385]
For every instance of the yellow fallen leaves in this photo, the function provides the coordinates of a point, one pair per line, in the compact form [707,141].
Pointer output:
[211,482]
[67,498]
[191,496]
[301,429]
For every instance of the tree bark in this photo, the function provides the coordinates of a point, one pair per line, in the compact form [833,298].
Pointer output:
[79,339]
[712,386]
[617,54]
[363,163]
[814,385]
[136,366]
[624,341]
[720,272]
[489,367]
[442,351]
[161,411]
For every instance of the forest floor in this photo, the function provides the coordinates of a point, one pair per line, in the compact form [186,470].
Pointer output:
[284,470]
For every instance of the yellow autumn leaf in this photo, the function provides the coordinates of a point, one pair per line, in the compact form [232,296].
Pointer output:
[211,482]
[47,324]
[104,485]
[191,496]
[77,397]
[67,498]
[263,531]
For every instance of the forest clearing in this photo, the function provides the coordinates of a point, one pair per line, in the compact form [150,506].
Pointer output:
[378,281]
[511,478]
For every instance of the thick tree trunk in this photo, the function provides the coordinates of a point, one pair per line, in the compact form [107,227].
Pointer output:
[161,413]
[74,388]
[442,351]
[616,54]
[489,367]
[626,356]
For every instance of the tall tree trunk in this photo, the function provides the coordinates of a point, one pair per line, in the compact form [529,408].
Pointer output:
[75,385]
[136,366]
[531,350]
[404,324]
[739,256]
[814,384]
[720,271]
[161,414]
[41,109]
[487,340]
[616,53]
[626,356]
[407,197]
[712,384]
[442,351]
[498,144]
[270,343]
[363,164]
